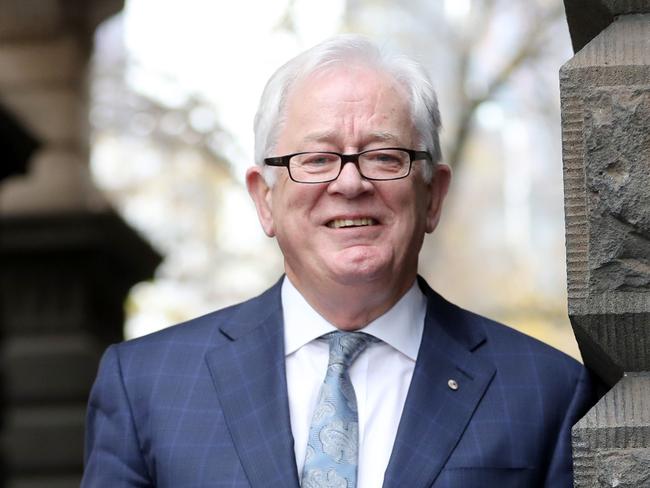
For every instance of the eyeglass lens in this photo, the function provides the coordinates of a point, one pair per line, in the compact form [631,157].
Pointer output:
[382,164]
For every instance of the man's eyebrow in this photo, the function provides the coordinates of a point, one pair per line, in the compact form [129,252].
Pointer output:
[382,136]
[333,135]
[323,136]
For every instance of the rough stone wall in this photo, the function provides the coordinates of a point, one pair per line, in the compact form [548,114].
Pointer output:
[605,95]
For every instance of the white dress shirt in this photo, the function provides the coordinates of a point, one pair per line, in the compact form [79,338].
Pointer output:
[381,375]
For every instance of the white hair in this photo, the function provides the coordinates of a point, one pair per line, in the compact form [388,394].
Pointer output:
[346,49]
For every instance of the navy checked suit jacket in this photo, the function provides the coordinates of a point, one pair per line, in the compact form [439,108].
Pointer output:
[204,404]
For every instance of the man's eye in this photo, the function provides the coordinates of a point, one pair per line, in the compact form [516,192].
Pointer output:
[388,158]
[319,159]
[385,157]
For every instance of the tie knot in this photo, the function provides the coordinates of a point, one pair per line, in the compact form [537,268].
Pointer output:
[346,346]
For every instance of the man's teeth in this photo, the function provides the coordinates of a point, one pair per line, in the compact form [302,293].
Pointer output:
[337,223]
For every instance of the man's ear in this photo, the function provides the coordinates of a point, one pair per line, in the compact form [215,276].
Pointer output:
[261,194]
[438,187]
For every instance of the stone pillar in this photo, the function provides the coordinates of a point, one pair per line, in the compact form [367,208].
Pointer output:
[605,95]
[67,261]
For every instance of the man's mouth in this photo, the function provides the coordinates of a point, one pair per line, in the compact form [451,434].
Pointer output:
[340,223]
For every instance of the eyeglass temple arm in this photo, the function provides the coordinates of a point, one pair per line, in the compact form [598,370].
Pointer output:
[277,161]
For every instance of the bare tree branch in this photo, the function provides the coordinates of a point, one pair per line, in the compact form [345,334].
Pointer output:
[528,48]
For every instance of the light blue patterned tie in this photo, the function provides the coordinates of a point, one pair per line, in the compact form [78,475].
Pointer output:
[332,449]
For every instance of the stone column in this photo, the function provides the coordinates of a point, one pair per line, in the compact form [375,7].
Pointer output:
[67,261]
[605,95]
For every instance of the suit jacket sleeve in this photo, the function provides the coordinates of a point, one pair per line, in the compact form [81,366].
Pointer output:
[112,453]
[560,472]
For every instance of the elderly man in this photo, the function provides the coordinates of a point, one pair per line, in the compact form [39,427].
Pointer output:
[350,371]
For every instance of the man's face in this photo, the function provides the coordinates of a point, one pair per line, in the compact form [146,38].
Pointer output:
[348,110]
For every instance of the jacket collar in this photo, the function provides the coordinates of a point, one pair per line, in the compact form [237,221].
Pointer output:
[248,371]
[448,383]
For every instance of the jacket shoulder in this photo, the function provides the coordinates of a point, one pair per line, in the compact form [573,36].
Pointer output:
[202,333]
[505,339]
[488,337]
[524,362]
[519,359]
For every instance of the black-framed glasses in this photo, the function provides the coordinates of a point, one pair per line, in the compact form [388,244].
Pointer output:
[387,163]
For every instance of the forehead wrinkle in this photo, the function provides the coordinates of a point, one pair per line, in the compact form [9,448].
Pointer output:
[382,136]
[322,136]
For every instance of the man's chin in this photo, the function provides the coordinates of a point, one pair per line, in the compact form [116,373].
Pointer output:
[354,267]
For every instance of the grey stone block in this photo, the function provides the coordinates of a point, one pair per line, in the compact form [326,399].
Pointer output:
[615,64]
[622,7]
[624,468]
[613,343]
[606,150]
[612,442]
[617,154]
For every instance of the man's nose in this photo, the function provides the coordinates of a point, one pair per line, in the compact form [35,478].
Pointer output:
[350,183]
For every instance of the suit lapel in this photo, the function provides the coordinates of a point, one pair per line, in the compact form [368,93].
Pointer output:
[435,415]
[248,371]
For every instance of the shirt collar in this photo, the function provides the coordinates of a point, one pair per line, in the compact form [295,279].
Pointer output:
[400,327]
